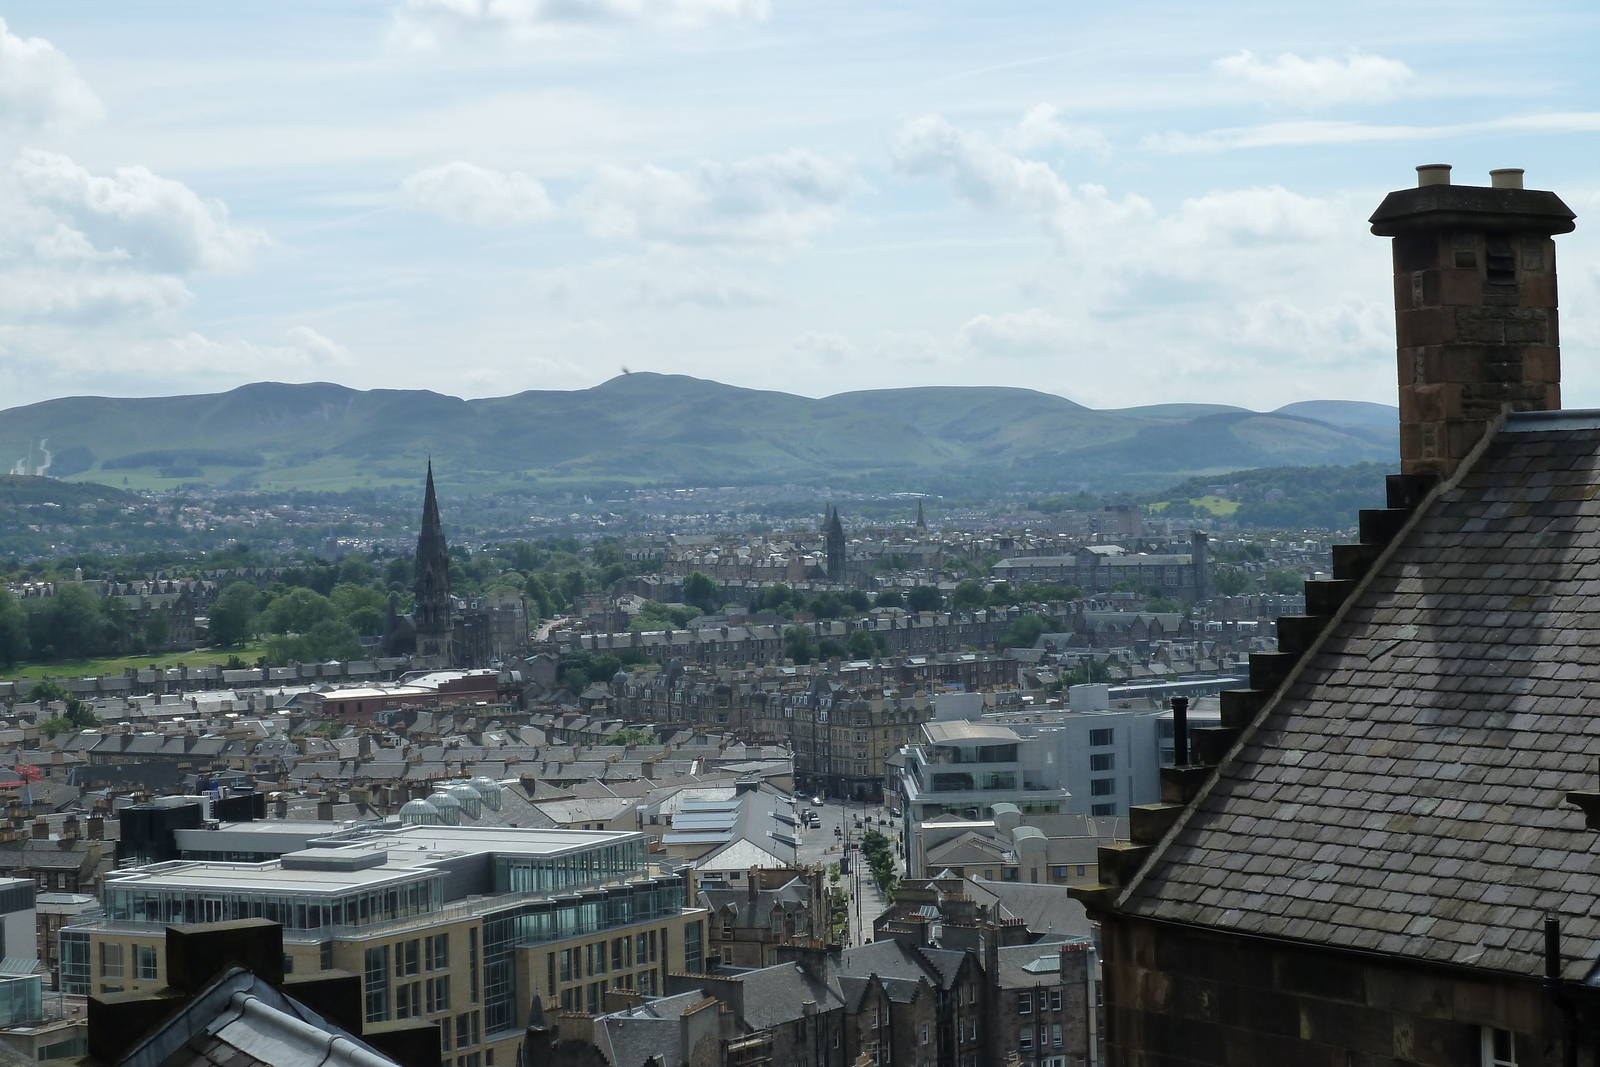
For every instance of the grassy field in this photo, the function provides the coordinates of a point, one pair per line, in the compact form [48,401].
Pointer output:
[88,668]
[1216,505]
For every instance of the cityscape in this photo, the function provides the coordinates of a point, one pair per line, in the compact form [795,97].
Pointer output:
[693,616]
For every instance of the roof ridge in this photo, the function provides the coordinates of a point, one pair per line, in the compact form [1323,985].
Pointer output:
[1181,823]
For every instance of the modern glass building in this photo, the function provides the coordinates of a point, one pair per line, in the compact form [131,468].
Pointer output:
[438,920]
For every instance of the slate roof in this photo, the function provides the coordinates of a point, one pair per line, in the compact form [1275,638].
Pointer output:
[1406,793]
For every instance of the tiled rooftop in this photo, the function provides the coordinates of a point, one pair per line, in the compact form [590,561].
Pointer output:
[1406,794]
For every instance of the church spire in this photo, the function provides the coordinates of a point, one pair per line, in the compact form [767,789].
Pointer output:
[922,523]
[432,585]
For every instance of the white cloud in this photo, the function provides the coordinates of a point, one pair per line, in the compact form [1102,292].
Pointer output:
[1028,333]
[153,222]
[300,352]
[1041,127]
[776,199]
[39,87]
[466,193]
[1329,132]
[1349,325]
[1254,216]
[425,23]
[669,285]
[986,175]
[1320,82]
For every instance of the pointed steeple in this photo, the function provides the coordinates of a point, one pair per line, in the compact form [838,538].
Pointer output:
[922,523]
[432,583]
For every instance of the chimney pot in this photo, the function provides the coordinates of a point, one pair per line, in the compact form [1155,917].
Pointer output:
[1433,174]
[1506,178]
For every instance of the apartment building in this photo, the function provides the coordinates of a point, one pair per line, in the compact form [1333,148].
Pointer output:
[458,925]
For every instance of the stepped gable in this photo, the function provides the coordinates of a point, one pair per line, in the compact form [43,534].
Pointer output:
[1406,793]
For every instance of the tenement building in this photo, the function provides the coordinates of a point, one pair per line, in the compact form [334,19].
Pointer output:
[1387,852]
[461,926]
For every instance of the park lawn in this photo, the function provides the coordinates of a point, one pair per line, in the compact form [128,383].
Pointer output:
[1216,505]
[88,668]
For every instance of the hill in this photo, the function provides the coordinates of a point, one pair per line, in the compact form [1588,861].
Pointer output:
[25,490]
[658,429]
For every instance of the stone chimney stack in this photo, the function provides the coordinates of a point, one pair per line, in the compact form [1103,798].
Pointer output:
[1475,308]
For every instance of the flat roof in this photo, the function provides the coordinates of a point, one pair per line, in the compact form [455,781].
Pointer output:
[955,730]
[411,853]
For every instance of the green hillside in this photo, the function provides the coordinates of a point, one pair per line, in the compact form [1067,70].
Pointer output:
[653,429]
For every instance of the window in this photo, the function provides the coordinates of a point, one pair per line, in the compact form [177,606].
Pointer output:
[110,960]
[1103,809]
[691,947]
[1102,787]
[1058,872]
[288,963]
[1055,1000]
[377,984]
[1102,738]
[463,1023]
[1025,1039]
[1499,1047]
[144,962]
[439,993]
[436,952]
[924,1033]
[325,956]
[405,958]
[1080,870]
[1055,1035]
[1103,761]
[616,953]
[566,965]
[472,963]
[874,1018]
[1024,1003]
[408,1000]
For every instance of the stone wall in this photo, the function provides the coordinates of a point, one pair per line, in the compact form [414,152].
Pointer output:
[1181,995]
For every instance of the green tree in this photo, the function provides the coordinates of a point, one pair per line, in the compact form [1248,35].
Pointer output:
[1003,595]
[1024,631]
[968,596]
[924,598]
[540,599]
[572,587]
[1231,581]
[865,644]
[156,632]
[889,598]
[297,612]
[631,735]
[1285,582]
[362,607]
[232,615]
[828,648]
[355,570]
[68,625]
[702,592]
[798,644]
[1089,671]
[13,631]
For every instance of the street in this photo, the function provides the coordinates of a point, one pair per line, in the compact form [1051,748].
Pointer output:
[819,845]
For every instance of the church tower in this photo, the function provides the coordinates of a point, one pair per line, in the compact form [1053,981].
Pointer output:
[922,523]
[834,540]
[432,611]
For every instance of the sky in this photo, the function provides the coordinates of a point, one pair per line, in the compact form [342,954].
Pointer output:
[1121,204]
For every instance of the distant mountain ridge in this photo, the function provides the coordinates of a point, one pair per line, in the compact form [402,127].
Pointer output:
[647,428]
